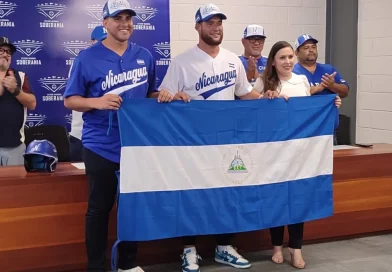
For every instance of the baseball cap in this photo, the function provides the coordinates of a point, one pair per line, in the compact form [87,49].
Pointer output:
[5,41]
[99,33]
[114,7]
[302,39]
[254,30]
[206,12]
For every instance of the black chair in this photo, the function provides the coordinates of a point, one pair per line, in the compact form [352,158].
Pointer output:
[58,135]
[343,131]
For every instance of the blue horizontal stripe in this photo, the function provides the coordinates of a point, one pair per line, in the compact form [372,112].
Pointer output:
[159,215]
[145,122]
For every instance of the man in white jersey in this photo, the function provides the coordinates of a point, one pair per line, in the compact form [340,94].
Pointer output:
[207,72]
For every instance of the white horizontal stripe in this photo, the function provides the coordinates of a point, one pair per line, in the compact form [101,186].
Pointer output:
[125,88]
[168,168]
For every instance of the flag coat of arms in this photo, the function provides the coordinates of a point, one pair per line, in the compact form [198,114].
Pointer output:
[212,167]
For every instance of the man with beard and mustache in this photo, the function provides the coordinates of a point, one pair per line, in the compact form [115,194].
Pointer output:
[323,78]
[253,61]
[207,72]
[16,96]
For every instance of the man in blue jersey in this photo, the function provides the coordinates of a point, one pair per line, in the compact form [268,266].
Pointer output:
[253,61]
[323,78]
[101,77]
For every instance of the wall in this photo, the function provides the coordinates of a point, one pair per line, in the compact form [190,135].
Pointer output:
[374,107]
[282,20]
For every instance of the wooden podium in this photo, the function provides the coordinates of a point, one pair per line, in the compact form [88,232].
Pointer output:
[42,215]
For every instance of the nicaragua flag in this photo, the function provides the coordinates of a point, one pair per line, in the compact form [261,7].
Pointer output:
[213,167]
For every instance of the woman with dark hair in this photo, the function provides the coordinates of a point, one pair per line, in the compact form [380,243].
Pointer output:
[278,77]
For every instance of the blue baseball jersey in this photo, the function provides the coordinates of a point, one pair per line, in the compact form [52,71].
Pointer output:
[98,71]
[261,64]
[315,78]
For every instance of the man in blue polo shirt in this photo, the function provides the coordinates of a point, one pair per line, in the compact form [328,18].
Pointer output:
[101,77]
[323,78]
[253,61]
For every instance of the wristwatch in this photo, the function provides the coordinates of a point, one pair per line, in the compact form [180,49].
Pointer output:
[16,92]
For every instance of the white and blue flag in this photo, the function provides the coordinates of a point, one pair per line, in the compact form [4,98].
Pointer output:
[213,167]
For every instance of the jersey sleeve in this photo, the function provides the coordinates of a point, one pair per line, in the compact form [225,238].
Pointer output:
[242,85]
[173,80]
[244,62]
[306,84]
[259,86]
[77,83]
[152,76]
[338,78]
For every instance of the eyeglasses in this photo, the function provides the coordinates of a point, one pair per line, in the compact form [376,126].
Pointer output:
[3,51]
[254,40]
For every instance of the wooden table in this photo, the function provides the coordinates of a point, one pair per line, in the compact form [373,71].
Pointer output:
[42,215]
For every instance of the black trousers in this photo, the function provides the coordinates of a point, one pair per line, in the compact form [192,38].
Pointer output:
[296,233]
[102,182]
[221,239]
[76,149]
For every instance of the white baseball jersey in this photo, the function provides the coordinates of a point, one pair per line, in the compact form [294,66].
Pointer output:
[205,78]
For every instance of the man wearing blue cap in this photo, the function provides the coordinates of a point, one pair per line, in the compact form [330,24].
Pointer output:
[75,135]
[253,61]
[98,34]
[208,72]
[323,78]
[101,76]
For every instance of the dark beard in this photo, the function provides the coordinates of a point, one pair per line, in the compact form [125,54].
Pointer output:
[210,41]
[308,59]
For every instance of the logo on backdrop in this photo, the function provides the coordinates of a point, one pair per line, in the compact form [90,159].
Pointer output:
[163,49]
[7,8]
[51,11]
[144,14]
[28,48]
[53,84]
[68,118]
[34,120]
[74,48]
[95,11]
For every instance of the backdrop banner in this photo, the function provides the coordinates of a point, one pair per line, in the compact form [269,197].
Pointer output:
[49,35]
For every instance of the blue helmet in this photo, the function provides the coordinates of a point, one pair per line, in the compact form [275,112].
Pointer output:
[40,156]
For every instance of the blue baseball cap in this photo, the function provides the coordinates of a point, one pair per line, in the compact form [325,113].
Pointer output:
[114,7]
[302,39]
[99,33]
[206,12]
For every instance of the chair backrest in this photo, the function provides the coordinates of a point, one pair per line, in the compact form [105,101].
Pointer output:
[58,135]
[343,131]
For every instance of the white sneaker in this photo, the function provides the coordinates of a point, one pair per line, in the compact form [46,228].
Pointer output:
[231,257]
[190,261]
[136,269]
